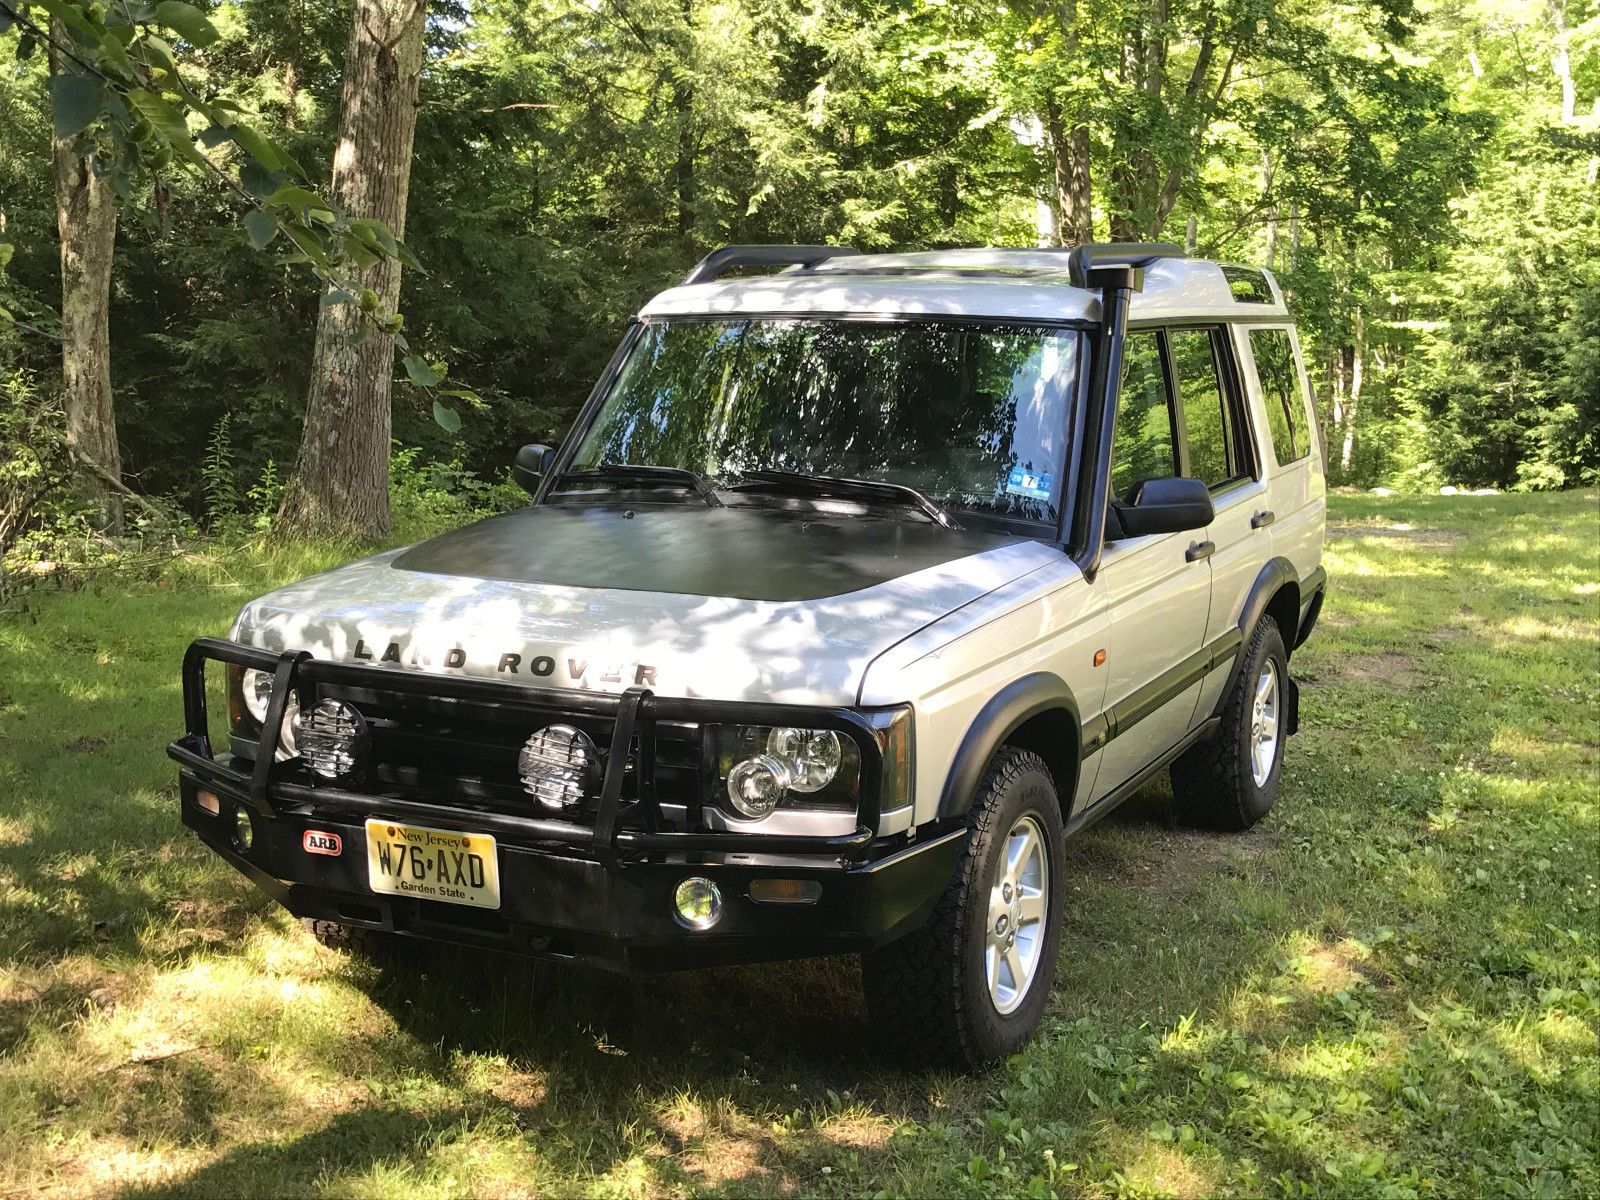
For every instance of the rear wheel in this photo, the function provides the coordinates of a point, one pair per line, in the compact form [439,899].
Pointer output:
[1231,781]
[969,987]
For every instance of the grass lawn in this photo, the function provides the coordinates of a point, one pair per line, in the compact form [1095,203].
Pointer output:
[1391,987]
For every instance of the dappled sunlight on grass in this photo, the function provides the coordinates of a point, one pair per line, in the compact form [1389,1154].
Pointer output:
[1391,987]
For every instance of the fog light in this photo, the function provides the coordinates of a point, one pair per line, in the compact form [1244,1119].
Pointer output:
[332,738]
[559,766]
[756,785]
[244,831]
[697,903]
[785,891]
[208,802]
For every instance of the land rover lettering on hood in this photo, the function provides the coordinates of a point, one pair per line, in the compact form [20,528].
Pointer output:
[855,589]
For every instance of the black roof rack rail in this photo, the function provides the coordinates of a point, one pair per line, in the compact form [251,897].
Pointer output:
[1081,260]
[718,261]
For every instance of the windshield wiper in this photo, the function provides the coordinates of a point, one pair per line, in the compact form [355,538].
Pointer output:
[640,473]
[798,482]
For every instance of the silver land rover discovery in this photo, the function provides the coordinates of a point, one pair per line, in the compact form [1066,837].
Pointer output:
[854,591]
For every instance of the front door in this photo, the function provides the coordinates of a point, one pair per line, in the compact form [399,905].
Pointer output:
[1217,448]
[1157,588]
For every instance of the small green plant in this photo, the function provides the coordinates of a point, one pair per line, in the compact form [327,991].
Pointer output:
[219,483]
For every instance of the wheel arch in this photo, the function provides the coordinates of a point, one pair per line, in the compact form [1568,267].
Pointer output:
[1035,712]
[1275,594]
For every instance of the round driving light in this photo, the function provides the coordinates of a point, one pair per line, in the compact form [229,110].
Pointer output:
[697,903]
[257,688]
[331,738]
[558,766]
[244,833]
[756,785]
[813,756]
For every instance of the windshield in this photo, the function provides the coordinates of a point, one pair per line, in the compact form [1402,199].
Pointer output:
[973,416]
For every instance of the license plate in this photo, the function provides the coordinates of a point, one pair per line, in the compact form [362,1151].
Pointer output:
[433,864]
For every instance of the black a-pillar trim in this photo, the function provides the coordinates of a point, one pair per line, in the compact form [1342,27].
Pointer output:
[1105,380]
[1117,271]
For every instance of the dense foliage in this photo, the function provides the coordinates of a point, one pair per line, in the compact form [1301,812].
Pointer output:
[1423,180]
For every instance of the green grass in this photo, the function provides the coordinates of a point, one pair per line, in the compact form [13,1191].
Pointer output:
[1390,988]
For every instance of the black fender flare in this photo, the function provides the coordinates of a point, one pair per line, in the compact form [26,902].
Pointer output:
[1006,711]
[1274,575]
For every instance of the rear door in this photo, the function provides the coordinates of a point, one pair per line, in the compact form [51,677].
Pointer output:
[1218,448]
[1157,591]
[1296,487]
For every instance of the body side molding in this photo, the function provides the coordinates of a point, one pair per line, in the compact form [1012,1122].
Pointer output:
[1005,712]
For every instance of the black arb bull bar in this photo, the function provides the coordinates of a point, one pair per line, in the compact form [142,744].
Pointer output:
[623,831]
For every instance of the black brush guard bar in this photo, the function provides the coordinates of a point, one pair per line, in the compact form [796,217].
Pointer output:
[635,712]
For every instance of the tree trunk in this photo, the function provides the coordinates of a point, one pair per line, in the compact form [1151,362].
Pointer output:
[683,110]
[86,220]
[341,478]
[1069,147]
[1074,200]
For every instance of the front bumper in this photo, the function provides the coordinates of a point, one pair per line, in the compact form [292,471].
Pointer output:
[564,905]
[601,892]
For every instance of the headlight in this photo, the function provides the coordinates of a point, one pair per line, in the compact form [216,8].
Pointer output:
[761,767]
[813,756]
[251,690]
[257,689]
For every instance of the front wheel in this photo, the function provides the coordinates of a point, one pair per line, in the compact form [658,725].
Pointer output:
[969,987]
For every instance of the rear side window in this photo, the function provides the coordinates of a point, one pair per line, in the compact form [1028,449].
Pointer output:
[1280,393]
[1142,447]
[1207,421]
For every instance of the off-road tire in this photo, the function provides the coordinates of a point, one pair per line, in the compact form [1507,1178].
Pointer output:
[375,945]
[926,994]
[1212,781]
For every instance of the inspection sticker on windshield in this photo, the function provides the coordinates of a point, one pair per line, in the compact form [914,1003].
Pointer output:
[1033,485]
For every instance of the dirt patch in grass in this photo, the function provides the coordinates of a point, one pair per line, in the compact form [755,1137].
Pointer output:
[1175,862]
[1420,537]
[1338,967]
[1387,669]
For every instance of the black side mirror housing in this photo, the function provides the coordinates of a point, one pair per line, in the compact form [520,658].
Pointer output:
[1166,506]
[531,465]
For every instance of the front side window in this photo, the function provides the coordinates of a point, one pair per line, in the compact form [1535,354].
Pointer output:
[973,416]
[1280,393]
[1207,419]
[1142,445]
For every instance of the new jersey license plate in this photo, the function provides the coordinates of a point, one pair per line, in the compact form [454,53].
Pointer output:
[433,864]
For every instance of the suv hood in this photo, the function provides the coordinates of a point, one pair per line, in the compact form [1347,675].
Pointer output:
[739,603]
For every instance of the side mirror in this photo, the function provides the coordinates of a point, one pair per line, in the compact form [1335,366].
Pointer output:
[1166,506]
[531,465]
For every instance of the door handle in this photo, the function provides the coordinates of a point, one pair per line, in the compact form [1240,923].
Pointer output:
[1199,551]
[1262,519]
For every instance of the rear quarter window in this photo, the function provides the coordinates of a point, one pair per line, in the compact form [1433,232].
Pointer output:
[1288,413]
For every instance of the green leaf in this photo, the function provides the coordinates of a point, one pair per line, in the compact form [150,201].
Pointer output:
[260,148]
[6,19]
[6,251]
[186,21]
[421,373]
[213,136]
[336,296]
[259,181]
[449,420]
[75,102]
[262,228]
[168,122]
